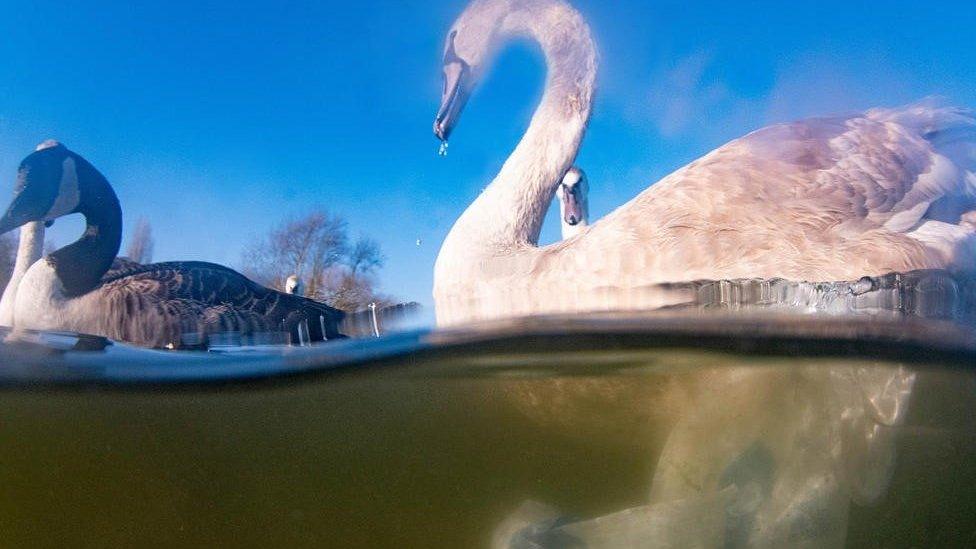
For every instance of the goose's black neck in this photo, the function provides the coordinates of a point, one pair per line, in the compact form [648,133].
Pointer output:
[81,265]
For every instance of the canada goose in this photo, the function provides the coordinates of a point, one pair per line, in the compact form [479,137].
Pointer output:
[84,287]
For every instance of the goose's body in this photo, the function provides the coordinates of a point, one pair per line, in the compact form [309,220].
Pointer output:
[820,199]
[84,287]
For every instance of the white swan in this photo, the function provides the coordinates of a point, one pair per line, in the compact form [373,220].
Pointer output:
[822,199]
[84,287]
[572,193]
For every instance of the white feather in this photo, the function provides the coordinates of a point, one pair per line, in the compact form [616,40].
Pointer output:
[820,199]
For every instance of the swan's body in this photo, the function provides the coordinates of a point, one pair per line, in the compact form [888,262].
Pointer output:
[821,199]
[572,193]
[84,287]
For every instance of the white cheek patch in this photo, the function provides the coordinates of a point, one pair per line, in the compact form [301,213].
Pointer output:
[68,193]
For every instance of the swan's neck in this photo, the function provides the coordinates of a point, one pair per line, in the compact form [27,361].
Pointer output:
[569,231]
[80,265]
[28,252]
[509,213]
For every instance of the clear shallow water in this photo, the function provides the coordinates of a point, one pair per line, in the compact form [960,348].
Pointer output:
[689,429]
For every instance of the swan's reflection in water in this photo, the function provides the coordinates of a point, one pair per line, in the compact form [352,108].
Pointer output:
[756,456]
[597,432]
[931,293]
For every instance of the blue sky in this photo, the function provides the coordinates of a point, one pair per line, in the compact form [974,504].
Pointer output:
[216,121]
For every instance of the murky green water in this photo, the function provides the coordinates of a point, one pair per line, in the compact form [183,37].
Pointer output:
[712,448]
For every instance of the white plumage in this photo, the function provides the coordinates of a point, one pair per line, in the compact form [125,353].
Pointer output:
[820,199]
[29,250]
[572,193]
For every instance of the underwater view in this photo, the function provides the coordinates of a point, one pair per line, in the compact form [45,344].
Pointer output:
[509,274]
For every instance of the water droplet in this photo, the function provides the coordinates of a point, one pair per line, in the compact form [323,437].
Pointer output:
[442,151]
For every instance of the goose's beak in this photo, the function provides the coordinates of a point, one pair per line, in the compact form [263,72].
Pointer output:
[11,221]
[457,89]
[6,226]
[26,206]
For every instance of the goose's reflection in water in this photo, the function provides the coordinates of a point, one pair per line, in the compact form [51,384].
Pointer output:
[754,456]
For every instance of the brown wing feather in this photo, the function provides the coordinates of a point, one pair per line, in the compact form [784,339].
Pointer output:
[181,303]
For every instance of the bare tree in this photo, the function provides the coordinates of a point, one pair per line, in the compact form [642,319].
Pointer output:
[306,247]
[141,243]
[365,256]
[316,249]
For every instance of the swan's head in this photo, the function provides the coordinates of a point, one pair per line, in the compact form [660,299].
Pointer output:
[48,186]
[486,25]
[293,285]
[572,194]
[467,50]
[471,45]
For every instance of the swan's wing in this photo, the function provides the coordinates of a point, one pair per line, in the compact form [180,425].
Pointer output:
[204,297]
[887,168]
[819,199]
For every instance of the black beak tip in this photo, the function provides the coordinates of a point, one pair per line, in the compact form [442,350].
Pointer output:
[440,130]
[572,221]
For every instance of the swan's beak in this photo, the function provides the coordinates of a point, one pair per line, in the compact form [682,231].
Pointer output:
[572,210]
[457,89]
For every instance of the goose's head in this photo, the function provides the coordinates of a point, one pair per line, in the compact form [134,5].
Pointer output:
[47,187]
[572,193]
